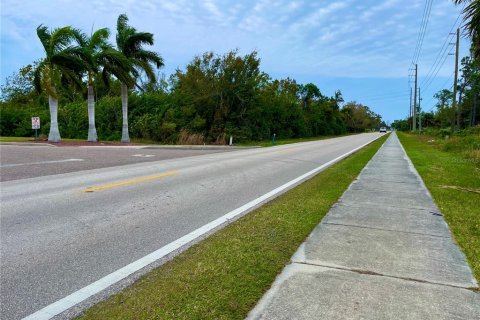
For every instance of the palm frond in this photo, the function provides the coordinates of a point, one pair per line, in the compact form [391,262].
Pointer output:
[80,37]
[61,38]
[146,67]
[130,43]
[44,36]
[106,78]
[70,77]
[135,41]
[122,21]
[471,16]
[99,38]
[123,30]
[37,76]
[150,57]
[122,75]
[114,57]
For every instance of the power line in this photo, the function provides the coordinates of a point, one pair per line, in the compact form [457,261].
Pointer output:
[440,87]
[439,67]
[381,95]
[422,31]
[438,63]
[387,98]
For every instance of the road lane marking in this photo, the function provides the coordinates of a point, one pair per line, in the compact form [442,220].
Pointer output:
[123,183]
[143,155]
[287,151]
[83,294]
[39,162]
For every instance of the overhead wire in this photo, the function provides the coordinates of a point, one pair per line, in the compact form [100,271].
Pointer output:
[440,88]
[422,31]
[387,97]
[440,59]
[438,63]
[439,67]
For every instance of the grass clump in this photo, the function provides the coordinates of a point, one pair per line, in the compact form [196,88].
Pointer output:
[463,143]
[453,179]
[225,275]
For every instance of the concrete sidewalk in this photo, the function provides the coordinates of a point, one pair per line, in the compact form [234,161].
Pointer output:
[383,251]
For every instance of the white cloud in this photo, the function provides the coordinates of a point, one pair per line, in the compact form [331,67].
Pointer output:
[374,38]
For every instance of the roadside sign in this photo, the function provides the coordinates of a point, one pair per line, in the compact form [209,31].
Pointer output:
[35,122]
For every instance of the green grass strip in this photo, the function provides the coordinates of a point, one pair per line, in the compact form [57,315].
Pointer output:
[454,183]
[225,275]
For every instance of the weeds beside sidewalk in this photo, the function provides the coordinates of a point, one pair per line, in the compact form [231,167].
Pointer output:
[452,175]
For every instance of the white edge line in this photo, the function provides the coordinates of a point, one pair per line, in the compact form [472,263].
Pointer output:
[75,298]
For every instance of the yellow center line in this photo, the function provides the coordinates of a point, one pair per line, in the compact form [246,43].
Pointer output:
[123,183]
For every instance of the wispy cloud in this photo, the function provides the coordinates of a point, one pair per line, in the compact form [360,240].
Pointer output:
[346,38]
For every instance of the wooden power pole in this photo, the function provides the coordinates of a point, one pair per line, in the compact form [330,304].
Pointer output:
[415,101]
[455,79]
[410,115]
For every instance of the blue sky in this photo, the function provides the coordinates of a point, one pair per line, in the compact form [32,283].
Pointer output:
[364,48]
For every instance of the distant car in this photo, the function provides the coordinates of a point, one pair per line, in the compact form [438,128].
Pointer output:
[383,129]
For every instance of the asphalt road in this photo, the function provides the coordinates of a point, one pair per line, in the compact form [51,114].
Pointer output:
[56,238]
[21,162]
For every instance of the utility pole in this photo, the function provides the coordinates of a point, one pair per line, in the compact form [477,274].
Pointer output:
[419,112]
[415,101]
[454,103]
[410,114]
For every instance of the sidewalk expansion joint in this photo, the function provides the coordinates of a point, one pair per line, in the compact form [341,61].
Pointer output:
[373,273]
[379,190]
[389,181]
[363,204]
[382,229]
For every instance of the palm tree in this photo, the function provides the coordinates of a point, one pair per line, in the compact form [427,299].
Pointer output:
[62,65]
[130,43]
[471,17]
[99,54]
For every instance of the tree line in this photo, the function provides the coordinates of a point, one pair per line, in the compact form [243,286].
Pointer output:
[214,97]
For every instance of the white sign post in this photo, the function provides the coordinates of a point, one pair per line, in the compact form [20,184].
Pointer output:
[36,125]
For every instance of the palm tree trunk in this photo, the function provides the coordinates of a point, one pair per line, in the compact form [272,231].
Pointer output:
[125,136]
[92,131]
[54,134]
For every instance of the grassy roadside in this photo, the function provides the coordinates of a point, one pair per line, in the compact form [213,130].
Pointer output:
[17,139]
[224,276]
[453,179]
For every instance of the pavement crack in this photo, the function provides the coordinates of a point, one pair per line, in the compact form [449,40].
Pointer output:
[377,274]
[383,229]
